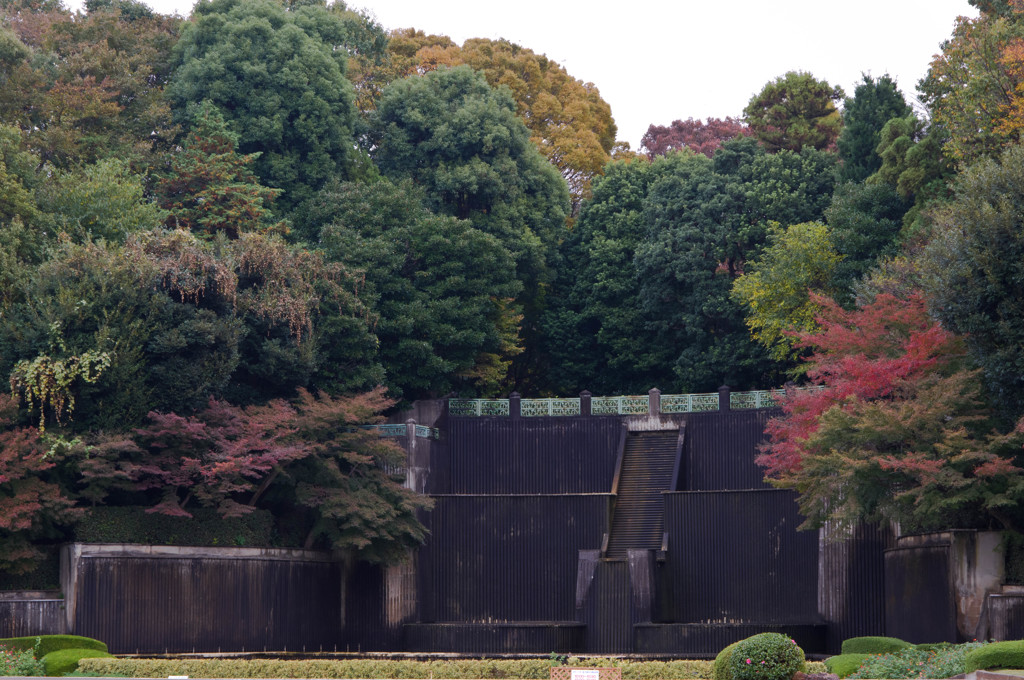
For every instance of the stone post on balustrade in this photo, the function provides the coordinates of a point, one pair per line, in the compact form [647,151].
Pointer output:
[410,436]
[654,401]
[585,398]
[515,405]
[723,398]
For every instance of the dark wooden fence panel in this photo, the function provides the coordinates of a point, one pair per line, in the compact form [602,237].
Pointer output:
[706,640]
[608,610]
[494,638]
[507,558]
[205,600]
[737,557]
[1006,616]
[548,455]
[919,604]
[24,613]
[720,450]
[851,592]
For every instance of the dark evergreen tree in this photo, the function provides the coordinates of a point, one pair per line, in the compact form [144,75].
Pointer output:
[874,103]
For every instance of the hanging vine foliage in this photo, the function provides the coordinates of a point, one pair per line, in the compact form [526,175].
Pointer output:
[46,382]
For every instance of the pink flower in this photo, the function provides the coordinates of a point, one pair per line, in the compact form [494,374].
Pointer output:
[748,660]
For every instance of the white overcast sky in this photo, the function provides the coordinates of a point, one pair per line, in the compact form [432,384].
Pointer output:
[656,61]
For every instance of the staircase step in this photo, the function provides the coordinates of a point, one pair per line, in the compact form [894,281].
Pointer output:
[648,462]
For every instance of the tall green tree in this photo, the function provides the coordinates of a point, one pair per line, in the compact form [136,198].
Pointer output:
[595,331]
[442,289]
[685,275]
[461,141]
[974,267]
[874,103]
[793,111]
[277,72]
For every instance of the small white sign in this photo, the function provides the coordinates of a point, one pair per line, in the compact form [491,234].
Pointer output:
[584,674]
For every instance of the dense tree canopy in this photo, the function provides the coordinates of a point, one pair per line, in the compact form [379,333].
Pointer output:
[973,265]
[569,122]
[441,288]
[277,74]
[793,111]
[695,135]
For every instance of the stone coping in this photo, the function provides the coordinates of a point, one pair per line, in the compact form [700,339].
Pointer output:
[86,550]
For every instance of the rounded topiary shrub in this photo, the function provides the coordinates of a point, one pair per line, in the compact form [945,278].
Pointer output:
[845,664]
[768,656]
[720,669]
[873,644]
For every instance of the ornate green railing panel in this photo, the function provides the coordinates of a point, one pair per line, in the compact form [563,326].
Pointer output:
[388,429]
[619,406]
[689,403]
[401,430]
[549,407]
[478,407]
[427,432]
[759,399]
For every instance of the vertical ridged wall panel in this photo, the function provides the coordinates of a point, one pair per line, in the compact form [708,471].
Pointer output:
[507,558]
[919,605]
[706,640]
[1006,616]
[851,595]
[155,605]
[31,617]
[494,638]
[549,455]
[737,557]
[365,612]
[720,450]
[608,610]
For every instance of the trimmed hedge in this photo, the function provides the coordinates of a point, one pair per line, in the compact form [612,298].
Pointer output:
[873,645]
[53,643]
[66,660]
[1009,654]
[845,664]
[455,669]
[205,528]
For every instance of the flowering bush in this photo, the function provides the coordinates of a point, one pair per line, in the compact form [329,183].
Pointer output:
[943,661]
[768,656]
[20,661]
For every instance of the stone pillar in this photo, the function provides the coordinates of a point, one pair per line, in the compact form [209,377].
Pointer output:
[723,398]
[654,401]
[410,437]
[585,403]
[515,406]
